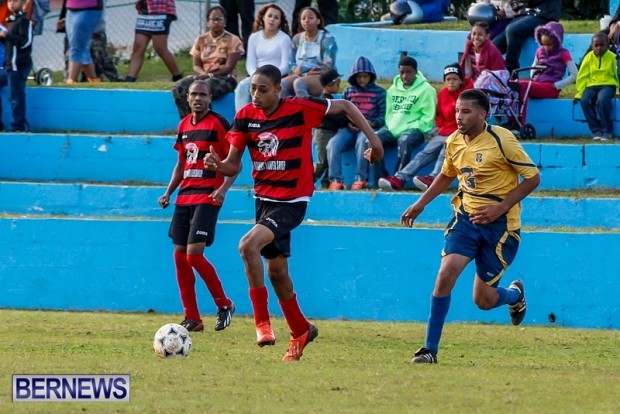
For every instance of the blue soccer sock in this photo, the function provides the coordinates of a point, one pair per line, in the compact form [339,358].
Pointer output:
[507,296]
[436,320]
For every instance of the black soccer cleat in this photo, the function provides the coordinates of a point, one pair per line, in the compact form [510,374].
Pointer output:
[424,356]
[192,326]
[517,311]
[224,317]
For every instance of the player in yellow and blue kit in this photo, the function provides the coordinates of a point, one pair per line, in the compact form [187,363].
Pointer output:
[487,160]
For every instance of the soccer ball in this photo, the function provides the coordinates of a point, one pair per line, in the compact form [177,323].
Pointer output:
[172,341]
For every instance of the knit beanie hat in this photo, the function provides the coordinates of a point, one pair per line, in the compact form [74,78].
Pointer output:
[453,68]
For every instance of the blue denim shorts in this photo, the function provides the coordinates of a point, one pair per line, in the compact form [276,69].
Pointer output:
[81,25]
[492,246]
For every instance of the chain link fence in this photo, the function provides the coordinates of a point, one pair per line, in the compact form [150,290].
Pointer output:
[120,18]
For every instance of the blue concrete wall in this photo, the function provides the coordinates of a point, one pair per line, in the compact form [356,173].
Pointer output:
[150,158]
[363,272]
[433,49]
[87,200]
[110,111]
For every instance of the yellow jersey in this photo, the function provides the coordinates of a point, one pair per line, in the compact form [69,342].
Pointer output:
[488,169]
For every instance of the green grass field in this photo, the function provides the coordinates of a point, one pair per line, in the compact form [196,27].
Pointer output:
[352,367]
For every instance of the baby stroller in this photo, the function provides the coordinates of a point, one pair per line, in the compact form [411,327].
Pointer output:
[506,107]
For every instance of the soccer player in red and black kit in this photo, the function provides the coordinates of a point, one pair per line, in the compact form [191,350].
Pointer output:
[278,133]
[198,203]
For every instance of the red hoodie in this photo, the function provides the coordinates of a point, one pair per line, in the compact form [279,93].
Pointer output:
[490,58]
[445,117]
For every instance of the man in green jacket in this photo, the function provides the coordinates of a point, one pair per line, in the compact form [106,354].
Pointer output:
[410,113]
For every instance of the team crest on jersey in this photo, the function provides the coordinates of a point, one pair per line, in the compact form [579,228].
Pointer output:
[478,158]
[191,153]
[268,144]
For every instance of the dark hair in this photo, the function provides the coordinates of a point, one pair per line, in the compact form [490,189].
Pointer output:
[320,26]
[259,23]
[600,35]
[271,72]
[479,98]
[217,7]
[483,25]
[408,61]
[200,82]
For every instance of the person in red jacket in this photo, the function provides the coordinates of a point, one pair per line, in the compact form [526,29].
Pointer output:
[445,124]
[480,53]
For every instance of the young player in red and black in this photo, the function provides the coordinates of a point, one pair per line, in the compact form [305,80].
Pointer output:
[200,197]
[278,133]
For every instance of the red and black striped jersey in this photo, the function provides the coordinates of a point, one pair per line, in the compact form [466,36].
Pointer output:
[193,142]
[280,146]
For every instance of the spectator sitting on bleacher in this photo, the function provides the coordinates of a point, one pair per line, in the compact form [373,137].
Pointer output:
[313,50]
[330,80]
[555,59]
[529,14]
[270,44]
[445,124]
[480,53]
[597,83]
[409,114]
[215,54]
[369,98]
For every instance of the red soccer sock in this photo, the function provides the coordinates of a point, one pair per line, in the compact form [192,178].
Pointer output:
[296,320]
[186,281]
[258,296]
[209,275]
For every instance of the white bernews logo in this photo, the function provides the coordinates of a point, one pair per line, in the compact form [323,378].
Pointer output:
[71,388]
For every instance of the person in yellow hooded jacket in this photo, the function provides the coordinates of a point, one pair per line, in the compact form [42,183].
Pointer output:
[597,83]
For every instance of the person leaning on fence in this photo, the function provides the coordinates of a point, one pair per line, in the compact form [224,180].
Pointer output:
[597,83]
[313,51]
[215,55]
[480,53]
[153,23]
[270,44]
[18,61]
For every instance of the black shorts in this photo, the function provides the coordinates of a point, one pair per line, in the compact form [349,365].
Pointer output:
[154,24]
[194,224]
[281,219]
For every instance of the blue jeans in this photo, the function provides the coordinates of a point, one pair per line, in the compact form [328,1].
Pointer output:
[81,25]
[344,140]
[429,154]
[597,99]
[3,82]
[405,143]
[511,40]
[17,97]
[242,93]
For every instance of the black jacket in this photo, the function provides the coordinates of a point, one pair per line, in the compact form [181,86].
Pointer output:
[18,42]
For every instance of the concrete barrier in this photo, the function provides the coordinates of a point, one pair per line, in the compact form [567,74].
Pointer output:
[123,201]
[362,273]
[150,159]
